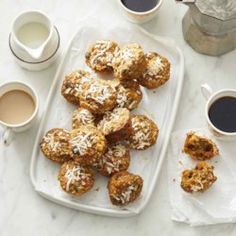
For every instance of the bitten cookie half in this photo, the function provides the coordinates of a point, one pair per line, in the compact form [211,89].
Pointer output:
[198,179]
[199,147]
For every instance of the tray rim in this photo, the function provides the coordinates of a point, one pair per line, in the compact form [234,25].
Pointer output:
[94,209]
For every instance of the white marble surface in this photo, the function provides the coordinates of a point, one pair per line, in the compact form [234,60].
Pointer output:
[23,211]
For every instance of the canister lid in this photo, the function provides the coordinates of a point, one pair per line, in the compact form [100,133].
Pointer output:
[220,9]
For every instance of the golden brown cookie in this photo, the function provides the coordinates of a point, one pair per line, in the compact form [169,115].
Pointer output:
[129,95]
[55,145]
[157,71]
[76,179]
[116,125]
[115,159]
[145,132]
[100,55]
[129,62]
[72,83]
[98,96]
[124,188]
[198,179]
[87,145]
[82,116]
[199,147]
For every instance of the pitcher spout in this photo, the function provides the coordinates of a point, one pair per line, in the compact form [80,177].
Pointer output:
[36,53]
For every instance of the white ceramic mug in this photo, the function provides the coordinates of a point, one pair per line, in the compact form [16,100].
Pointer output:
[140,17]
[211,97]
[9,129]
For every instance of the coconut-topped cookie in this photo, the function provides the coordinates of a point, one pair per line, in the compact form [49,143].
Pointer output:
[87,145]
[198,179]
[82,116]
[116,124]
[76,179]
[129,95]
[115,159]
[157,71]
[71,87]
[98,96]
[124,188]
[129,62]
[100,55]
[145,132]
[55,145]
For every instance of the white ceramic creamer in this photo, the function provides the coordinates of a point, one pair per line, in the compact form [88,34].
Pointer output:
[34,40]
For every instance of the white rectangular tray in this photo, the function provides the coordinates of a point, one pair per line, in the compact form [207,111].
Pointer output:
[161,105]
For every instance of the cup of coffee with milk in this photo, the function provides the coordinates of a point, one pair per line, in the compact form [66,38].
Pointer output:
[18,108]
[34,41]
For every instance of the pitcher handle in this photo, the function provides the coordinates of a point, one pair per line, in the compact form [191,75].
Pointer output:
[206,91]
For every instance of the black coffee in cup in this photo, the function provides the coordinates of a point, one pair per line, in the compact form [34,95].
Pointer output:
[222,114]
[140,5]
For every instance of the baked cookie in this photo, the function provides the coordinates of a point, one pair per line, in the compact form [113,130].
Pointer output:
[72,83]
[145,132]
[87,145]
[198,179]
[157,71]
[116,159]
[129,95]
[82,116]
[116,125]
[99,56]
[199,147]
[124,188]
[129,62]
[55,145]
[98,96]
[75,179]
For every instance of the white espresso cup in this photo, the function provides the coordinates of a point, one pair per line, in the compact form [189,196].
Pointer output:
[10,129]
[211,97]
[140,17]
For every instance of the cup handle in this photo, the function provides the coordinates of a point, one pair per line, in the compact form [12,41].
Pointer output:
[7,136]
[206,91]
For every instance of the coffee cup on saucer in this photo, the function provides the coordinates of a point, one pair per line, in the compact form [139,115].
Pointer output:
[140,11]
[18,108]
[220,112]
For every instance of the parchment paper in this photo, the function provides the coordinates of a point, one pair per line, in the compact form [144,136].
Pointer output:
[215,205]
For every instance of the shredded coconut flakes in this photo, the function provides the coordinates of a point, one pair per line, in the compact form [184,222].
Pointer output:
[75,174]
[84,116]
[81,143]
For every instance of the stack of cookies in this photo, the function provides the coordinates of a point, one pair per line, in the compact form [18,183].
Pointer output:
[103,128]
